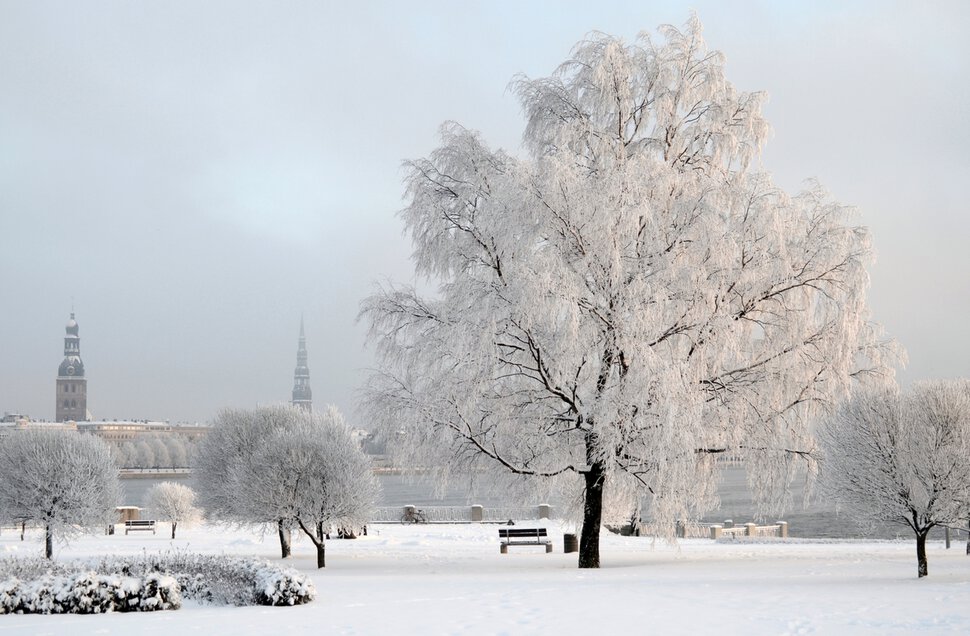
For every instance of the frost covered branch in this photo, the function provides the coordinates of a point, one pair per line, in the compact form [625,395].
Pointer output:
[629,294]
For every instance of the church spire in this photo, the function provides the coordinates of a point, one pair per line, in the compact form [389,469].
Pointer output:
[302,395]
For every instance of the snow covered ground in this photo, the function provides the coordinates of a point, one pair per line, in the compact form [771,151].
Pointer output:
[451,579]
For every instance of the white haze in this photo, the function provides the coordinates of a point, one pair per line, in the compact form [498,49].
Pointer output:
[196,176]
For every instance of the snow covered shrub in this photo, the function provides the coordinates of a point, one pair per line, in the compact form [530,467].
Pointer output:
[9,596]
[211,579]
[33,567]
[39,597]
[94,594]
[89,593]
[195,586]
[153,592]
[276,586]
[146,583]
[219,579]
[235,581]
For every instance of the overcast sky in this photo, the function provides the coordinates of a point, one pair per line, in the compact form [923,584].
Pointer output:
[195,176]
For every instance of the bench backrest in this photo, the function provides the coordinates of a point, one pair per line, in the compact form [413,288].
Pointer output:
[521,533]
[140,522]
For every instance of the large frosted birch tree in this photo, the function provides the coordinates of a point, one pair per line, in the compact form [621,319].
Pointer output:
[628,301]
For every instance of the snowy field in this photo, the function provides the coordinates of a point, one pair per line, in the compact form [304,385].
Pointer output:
[451,579]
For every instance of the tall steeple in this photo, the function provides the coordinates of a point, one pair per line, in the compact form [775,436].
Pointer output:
[302,395]
[72,386]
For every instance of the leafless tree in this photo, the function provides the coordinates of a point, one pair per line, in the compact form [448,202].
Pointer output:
[235,436]
[629,301]
[312,473]
[902,458]
[284,466]
[172,501]
[61,480]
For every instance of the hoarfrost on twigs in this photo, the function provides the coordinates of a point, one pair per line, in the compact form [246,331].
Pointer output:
[629,302]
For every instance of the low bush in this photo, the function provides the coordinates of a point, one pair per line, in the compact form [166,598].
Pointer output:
[273,586]
[146,583]
[222,580]
[89,593]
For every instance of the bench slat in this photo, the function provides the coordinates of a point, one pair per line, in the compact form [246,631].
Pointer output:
[521,532]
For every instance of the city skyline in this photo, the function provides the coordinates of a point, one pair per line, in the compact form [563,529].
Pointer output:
[71,371]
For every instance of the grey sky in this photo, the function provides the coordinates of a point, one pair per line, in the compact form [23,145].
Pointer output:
[196,175]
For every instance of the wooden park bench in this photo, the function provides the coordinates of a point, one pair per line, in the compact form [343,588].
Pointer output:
[523,536]
[141,524]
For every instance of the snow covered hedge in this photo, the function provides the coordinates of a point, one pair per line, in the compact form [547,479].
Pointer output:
[146,583]
[89,593]
[228,580]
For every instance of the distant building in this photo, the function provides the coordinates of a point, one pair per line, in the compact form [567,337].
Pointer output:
[12,422]
[302,395]
[121,430]
[112,431]
[72,386]
[71,412]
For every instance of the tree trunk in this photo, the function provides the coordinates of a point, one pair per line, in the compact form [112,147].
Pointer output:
[968,538]
[174,523]
[321,555]
[317,539]
[589,541]
[48,541]
[921,553]
[284,539]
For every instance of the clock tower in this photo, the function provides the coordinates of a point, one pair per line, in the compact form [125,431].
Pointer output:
[72,386]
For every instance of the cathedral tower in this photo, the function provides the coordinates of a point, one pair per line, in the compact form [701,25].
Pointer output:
[302,395]
[72,387]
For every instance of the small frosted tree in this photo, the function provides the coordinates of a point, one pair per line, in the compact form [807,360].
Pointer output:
[161,456]
[627,302]
[61,480]
[144,454]
[283,466]
[235,436]
[172,501]
[902,458]
[178,455]
[126,455]
[325,479]
[117,454]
